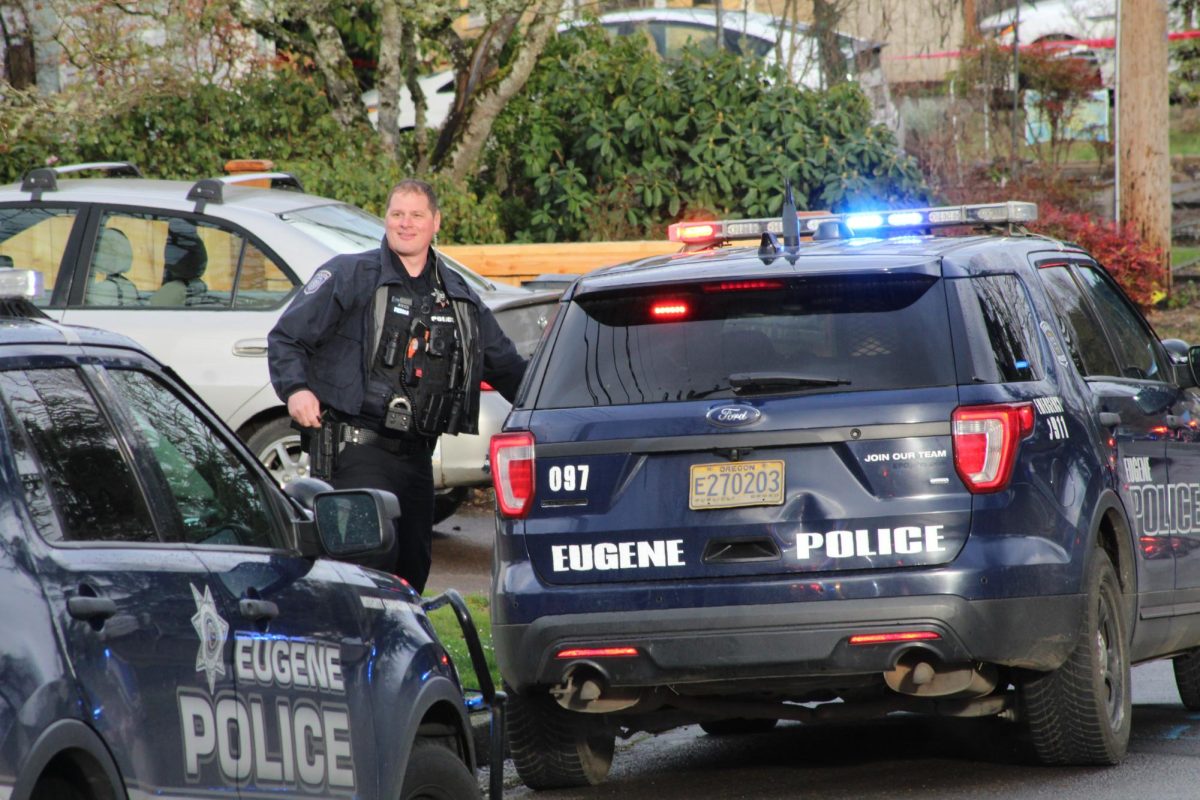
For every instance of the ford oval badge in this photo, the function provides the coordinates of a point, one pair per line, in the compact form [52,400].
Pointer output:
[732,416]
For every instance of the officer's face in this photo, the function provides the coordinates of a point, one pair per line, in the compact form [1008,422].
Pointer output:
[411,225]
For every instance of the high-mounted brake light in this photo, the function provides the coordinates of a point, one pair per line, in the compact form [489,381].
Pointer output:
[512,472]
[985,443]
[742,286]
[673,309]
[897,636]
[597,652]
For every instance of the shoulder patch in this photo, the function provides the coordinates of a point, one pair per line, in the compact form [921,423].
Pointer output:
[317,281]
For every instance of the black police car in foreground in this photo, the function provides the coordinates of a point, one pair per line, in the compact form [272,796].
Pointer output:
[172,623]
[909,473]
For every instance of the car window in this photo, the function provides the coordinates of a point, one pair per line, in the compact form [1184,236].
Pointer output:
[220,500]
[36,238]
[999,329]
[672,343]
[78,484]
[161,261]
[261,283]
[1085,337]
[1135,348]
[525,324]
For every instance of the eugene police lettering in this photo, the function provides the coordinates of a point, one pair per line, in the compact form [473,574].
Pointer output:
[288,734]
[617,555]
[903,540]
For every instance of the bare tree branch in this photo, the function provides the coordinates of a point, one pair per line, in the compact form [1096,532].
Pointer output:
[462,158]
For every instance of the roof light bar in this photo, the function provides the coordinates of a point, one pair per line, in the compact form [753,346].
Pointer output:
[705,232]
[25,284]
[880,222]
[1006,213]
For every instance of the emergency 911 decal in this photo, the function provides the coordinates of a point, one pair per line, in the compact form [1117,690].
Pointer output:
[288,727]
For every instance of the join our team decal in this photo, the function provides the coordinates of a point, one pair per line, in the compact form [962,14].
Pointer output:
[288,727]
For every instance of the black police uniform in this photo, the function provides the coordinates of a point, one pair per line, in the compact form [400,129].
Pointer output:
[396,361]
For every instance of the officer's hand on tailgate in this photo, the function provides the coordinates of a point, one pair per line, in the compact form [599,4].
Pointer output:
[304,407]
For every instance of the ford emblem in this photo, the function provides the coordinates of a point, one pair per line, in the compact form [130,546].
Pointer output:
[732,416]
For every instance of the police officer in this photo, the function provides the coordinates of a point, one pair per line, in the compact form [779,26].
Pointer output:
[381,353]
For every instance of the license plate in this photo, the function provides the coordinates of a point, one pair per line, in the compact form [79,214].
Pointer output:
[736,483]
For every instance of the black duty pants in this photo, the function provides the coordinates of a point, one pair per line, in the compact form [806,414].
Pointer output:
[410,477]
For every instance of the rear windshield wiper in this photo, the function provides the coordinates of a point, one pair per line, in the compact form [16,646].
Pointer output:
[766,381]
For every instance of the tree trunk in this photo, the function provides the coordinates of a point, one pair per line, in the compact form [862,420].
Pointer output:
[1145,174]
[465,152]
[341,87]
[827,15]
[388,74]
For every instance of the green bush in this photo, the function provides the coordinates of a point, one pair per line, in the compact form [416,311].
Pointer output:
[610,142]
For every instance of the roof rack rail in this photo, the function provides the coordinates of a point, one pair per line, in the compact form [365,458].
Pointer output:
[205,191]
[111,169]
[45,179]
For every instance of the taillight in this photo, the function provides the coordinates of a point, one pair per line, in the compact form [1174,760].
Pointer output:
[512,472]
[985,443]
[484,386]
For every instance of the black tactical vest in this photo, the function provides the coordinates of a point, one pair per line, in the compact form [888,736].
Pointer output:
[416,385]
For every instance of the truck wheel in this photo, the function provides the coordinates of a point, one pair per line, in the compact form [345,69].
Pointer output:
[1187,678]
[553,748]
[1080,713]
[436,773]
[277,445]
[737,727]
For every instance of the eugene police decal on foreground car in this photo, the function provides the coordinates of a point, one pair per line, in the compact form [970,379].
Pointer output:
[176,625]
[826,475]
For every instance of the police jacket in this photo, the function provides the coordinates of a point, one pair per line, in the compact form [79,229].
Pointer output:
[326,339]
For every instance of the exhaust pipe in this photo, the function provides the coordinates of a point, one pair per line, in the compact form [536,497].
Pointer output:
[921,674]
[585,689]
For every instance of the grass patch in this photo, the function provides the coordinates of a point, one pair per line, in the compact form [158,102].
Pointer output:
[1181,255]
[448,631]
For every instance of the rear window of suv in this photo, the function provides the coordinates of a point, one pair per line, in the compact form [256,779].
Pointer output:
[812,334]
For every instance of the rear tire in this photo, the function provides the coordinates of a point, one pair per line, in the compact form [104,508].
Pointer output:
[436,773]
[1080,713]
[1187,678]
[54,787]
[553,748]
[739,726]
[277,445]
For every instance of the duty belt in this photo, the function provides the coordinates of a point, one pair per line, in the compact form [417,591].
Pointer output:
[352,435]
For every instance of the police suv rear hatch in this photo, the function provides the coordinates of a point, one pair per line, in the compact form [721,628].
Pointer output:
[793,421]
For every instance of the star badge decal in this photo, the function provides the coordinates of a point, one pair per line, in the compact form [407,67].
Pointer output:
[212,631]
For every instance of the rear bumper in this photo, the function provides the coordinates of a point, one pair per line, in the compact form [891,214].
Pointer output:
[789,641]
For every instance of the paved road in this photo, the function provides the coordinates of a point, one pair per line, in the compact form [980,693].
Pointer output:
[462,552]
[907,757]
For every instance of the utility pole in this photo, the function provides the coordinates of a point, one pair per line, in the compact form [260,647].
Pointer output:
[1144,172]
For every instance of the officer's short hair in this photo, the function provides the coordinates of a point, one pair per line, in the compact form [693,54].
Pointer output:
[414,186]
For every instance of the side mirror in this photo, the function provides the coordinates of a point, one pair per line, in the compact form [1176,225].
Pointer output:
[356,522]
[1192,369]
[1182,358]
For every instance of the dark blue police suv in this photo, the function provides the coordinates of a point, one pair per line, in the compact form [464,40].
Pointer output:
[174,625]
[874,470]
